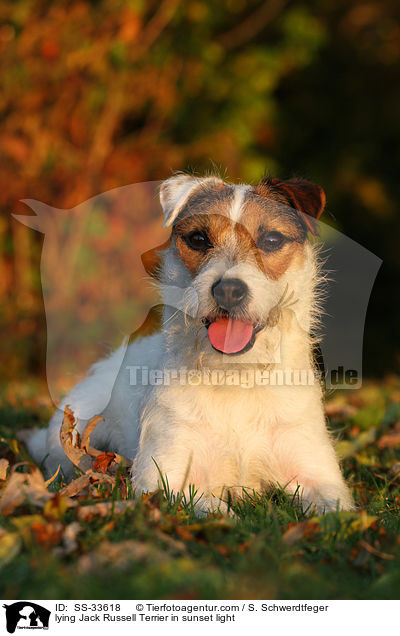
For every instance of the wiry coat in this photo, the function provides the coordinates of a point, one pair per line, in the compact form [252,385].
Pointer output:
[222,437]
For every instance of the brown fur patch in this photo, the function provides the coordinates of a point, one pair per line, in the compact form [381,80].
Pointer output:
[307,198]
[259,215]
[207,210]
[215,226]
[152,324]
[152,259]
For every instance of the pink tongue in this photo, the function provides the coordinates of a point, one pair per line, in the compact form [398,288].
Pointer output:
[230,336]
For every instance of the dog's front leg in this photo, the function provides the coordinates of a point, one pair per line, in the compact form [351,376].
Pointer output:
[154,470]
[178,458]
[310,470]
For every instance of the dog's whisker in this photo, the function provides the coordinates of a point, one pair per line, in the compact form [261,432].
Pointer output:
[284,294]
[288,299]
[294,302]
[170,318]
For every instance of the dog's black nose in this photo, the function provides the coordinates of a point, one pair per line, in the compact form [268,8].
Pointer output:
[229,292]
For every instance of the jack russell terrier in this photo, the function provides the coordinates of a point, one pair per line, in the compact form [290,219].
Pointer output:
[225,396]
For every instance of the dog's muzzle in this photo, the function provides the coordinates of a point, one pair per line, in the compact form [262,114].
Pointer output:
[227,332]
[229,293]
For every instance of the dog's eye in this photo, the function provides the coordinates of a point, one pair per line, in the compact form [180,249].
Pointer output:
[271,241]
[198,240]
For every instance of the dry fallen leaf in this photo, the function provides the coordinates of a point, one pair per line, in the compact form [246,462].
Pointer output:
[79,451]
[75,454]
[85,440]
[120,555]
[76,486]
[25,487]
[103,509]
[172,543]
[103,461]
[56,507]
[370,548]
[47,534]
[24,523]
[297,531]
[389,440]
[30,487]
[69,539]
[4,463]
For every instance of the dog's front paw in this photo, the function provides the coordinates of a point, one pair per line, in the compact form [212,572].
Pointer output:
[208,505]
[320,501]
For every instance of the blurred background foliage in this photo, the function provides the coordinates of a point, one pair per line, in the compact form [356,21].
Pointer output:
[98,94]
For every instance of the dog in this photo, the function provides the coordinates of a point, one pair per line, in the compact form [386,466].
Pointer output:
[216,398]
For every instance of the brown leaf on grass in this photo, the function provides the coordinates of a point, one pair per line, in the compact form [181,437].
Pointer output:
[89,428]
[70,537]
[25,487]
[23,523]
[75,454]
[389,440]
[184,533]
[370,548]
[4,463]
[121,555]
[69,540]
[298,531]
[47,534]
[56,507]
[116,460]
[103,509]
[31,487]
[209,531]
[174,544]
[77,486]
[103,461]
[79,451]
[152,499]
[120,460]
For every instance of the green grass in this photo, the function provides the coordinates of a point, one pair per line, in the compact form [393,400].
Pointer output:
[269,549]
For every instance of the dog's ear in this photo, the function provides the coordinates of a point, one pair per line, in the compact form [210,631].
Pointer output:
[152,259]
[175,192]
[307,198]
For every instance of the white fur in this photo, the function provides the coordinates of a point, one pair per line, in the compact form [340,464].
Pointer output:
[237,205]
[218,438]
[174,193]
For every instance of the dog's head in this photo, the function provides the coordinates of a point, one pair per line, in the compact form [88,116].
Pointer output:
[242,255]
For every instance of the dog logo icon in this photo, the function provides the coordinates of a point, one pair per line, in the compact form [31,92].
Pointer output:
[26,615]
